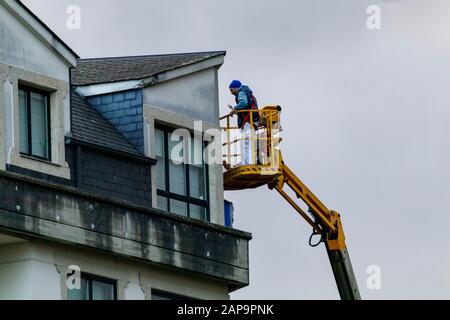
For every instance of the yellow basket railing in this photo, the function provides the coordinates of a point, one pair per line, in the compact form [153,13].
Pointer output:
[263,136]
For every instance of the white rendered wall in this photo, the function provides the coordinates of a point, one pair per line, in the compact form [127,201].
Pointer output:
[153,115]
[20,47]
[24,277]
[179,102]
[37,269]
[194,95]
[26,57]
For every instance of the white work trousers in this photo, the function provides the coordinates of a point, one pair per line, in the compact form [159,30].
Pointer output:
[246,145]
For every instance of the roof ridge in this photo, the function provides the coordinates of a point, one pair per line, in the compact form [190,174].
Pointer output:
[28,10]
[153,55]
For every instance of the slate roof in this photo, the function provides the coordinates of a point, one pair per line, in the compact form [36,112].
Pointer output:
[106,70]
[89,126]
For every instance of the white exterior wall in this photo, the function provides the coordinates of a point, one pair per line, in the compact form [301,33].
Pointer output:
[10,79]
[179,103]
[134,292]
[194,95]
[14,277]
[29,55]
[24,276]
[21,47]
[153,115]
[35,270]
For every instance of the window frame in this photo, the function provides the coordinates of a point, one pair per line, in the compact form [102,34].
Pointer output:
[168,296]
[90,278]
[28,90]
[187,199]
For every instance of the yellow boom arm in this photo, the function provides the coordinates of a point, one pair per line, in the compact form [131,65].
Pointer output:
[326,223]
[272,171]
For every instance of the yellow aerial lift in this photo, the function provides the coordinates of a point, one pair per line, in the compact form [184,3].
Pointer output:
[268,168]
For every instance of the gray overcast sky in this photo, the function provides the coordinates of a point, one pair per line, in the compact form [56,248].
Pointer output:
[366,119]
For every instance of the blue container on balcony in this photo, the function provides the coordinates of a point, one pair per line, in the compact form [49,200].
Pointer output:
[229,214]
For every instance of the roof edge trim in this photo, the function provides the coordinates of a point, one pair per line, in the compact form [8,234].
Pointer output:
[106,88]
[170,74]
[177,72]
[122,154]
[40,29]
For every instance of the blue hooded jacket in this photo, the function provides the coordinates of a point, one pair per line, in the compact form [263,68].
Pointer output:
[244,102]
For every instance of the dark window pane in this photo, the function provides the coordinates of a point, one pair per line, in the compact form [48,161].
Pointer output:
[160,156]
[102,291]
[177,175]
[197,182]
[177,169]
[197,212]
[179,195]
[23,121]
[161,203]
[197,152]
[39,125]
[176,148]
[161,295]
[82,294]
[178,207]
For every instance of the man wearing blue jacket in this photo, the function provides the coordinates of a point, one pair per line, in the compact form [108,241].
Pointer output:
[245,100]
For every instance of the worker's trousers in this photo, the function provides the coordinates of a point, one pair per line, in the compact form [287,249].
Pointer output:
[247,145]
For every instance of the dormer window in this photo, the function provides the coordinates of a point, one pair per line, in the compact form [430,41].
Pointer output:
[34,123]
[181,188]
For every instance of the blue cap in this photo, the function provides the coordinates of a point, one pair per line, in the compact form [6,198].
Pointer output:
[236,84]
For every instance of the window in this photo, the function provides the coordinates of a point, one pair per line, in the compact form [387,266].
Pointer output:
[182,188]
[94,288]
[34,123]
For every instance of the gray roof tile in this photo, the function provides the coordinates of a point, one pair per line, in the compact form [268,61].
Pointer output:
[106,70]
[89,126]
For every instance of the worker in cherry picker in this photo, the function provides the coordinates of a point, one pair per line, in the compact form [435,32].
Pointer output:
[245,100]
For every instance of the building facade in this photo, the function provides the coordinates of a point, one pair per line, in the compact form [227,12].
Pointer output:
[92,203]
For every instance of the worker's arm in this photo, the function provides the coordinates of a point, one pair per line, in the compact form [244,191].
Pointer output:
[242,102]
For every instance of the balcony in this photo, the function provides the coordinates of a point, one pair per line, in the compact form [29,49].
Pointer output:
[39,209]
